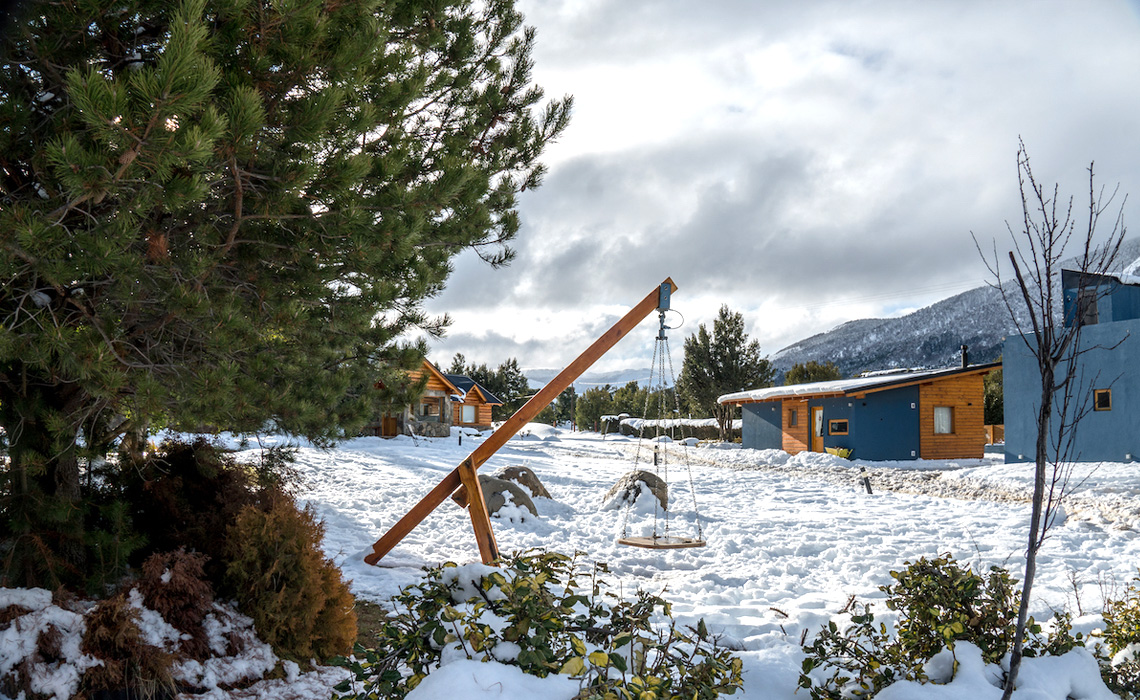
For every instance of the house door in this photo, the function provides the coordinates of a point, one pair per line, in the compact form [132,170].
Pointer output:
[389,427]
[817,429]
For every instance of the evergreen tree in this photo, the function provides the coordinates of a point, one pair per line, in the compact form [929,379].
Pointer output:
[512,387]
[630,399]
[592,405]
[719,363]
[812,371]
[457,365]
[564,405]
[993,398]
[225,213]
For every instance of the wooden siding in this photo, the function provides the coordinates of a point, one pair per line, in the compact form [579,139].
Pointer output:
[963,394]
[795,436]
[482,413]
[434,382]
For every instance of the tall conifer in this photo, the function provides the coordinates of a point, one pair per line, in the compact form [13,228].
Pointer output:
[227,212]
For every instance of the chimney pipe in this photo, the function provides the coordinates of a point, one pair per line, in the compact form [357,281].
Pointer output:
[965,357]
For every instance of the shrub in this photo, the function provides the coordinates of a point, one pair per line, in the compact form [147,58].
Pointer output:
[938,603]
[173,585]
[297,599]
[185,495]
[531,613]
[1121,672]
[129,661]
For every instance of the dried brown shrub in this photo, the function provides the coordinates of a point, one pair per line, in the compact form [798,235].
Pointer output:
[173,585]
[113,635]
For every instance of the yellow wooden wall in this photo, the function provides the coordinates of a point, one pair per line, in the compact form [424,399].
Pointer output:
[964,395]
[796,436]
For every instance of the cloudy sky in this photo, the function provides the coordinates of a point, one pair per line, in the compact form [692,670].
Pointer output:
[804,162]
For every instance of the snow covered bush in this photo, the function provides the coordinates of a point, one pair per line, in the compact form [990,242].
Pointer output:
[532,613]
[938,603]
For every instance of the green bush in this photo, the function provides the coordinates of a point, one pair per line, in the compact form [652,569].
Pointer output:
[549,624]
[1121,672]
[295,596]
[938,603]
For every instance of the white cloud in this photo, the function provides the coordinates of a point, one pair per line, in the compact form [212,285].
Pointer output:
[804,163]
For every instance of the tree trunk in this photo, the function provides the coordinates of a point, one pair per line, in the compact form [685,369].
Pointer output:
[45,515]
[1044,415]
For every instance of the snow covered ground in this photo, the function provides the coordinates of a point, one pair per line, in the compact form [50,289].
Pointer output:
[789,540]
[785,549]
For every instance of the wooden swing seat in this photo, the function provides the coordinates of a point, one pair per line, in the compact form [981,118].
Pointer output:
[658,542]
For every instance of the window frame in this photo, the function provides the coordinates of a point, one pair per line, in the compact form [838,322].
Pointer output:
[426,404]
[950,420]
[463,409]
[831,429]
[1097,394]
[793,418]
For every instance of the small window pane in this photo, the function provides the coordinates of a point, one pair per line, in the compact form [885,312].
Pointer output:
[468,414]
[943,420]
[837,427]
[793,418]
[1102,399]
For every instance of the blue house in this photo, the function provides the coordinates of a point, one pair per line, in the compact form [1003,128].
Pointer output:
[1108,372]
[897,415]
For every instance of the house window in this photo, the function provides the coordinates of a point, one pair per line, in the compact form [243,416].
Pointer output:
[943,420]
[793,418]
[1087,307]
[467,415]
[837,427]
[431,407]
[1102,400]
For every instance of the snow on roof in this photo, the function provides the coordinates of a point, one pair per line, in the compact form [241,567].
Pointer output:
[868,380]
[1129,275]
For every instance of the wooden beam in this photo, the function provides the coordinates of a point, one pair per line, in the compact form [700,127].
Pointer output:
[477,509]
[515,423]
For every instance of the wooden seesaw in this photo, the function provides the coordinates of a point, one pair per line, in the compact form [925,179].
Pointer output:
[464,474]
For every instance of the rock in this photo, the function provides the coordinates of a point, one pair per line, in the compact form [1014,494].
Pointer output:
[525,477]
[627,489]
[493,495]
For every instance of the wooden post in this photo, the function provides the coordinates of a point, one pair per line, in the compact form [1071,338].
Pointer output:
[477,508]
[659,296]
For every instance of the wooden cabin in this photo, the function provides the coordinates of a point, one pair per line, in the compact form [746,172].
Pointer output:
[448,400]
[923,414]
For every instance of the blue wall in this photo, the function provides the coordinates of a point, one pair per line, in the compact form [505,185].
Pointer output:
[1115,301]
[1101,435]
[882,426]
[760,426]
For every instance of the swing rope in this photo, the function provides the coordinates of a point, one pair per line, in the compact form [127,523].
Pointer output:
[661,354]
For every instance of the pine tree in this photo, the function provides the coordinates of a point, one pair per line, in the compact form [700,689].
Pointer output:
[720,363]
[812,371]
[226,212]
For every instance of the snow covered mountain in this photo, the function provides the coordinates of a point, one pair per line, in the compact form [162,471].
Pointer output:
[929,337]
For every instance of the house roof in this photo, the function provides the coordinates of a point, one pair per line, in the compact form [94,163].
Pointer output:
[1130,275]
[872,382]
[465,384]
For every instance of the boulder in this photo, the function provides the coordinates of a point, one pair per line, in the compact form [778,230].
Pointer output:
[493,490]
[525,477]
[627,489]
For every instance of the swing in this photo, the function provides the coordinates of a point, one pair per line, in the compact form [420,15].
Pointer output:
[664,540]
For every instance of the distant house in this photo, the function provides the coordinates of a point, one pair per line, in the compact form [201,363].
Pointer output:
[448,400]
[1108,372]
[919,414]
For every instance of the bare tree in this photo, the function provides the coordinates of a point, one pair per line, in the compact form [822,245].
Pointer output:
[1048,228]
